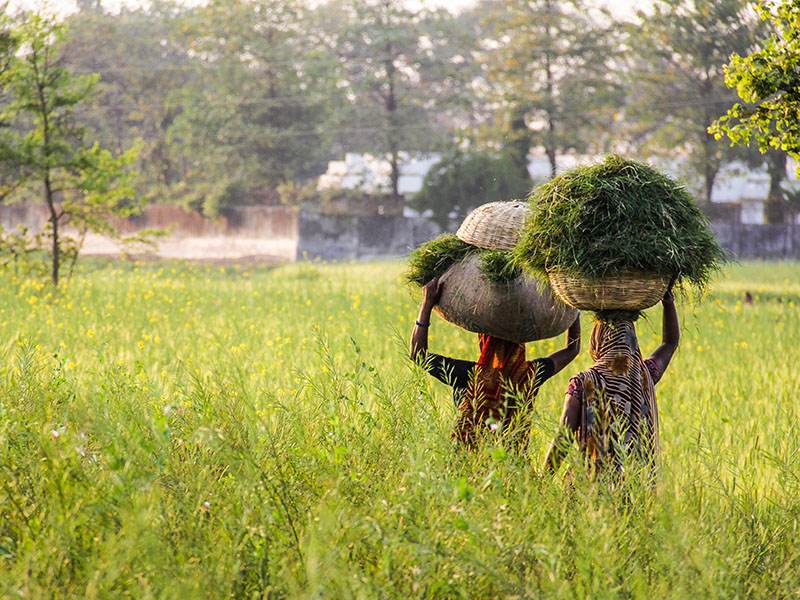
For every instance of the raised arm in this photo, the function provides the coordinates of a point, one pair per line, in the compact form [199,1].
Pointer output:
[431,292]
[671,334]
[572,347]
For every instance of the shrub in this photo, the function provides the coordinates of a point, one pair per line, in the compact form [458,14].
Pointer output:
[461,181]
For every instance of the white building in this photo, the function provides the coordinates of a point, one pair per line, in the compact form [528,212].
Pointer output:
[735,184]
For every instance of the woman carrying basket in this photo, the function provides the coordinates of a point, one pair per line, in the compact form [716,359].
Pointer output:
[492,392]
[611,408]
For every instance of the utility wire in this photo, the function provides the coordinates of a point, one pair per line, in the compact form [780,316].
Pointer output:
[326,131]
[289,99]
[200,64]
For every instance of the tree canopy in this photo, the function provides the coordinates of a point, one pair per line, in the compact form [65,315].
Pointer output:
[235,100]
[768,82]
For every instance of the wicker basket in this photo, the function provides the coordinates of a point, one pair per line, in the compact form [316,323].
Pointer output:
[494,226]
[520,311]
[629,290]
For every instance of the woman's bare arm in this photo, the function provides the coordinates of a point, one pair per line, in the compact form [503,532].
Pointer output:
[431,292]
[572,347]
[671,334]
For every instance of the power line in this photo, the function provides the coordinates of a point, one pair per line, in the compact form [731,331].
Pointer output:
[288,99]
[324,131]
[200,64]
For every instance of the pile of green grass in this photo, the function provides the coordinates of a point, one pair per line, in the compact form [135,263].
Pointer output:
[595,221]
[433,258]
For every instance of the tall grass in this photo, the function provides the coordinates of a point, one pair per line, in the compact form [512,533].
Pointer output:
[168,431]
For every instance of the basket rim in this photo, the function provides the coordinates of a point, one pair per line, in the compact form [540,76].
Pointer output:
[626,290]
[622,274]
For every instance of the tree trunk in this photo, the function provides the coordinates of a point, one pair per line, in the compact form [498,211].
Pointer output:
[391,109]
[519,145]
[48,196]
[709,177]
[550,139]
[775,206]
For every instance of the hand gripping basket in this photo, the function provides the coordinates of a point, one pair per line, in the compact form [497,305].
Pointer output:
[494,226]
[628,290]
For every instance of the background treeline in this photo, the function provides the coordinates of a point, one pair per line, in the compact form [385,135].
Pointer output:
[245,101]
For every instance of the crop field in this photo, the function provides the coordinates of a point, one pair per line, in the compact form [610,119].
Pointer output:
[169,431]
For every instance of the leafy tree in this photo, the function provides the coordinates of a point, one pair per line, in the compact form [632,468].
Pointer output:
[768,81]
[394,64]
[550,67]
[82,183]
[8,46]
[677,85]
[253,117]
[142,65]
[462,181]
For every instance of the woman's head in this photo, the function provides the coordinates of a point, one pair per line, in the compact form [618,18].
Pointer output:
[611,339]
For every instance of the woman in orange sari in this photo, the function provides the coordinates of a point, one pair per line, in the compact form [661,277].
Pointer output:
[493,392]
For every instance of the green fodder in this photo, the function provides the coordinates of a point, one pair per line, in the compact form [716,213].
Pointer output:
[597,220]
[433,258]
[498,266]
[617,316]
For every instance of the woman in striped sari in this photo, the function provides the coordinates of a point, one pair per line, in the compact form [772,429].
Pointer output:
[611,408]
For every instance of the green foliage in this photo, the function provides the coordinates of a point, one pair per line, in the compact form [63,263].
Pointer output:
[462,181]
[255,117]
[82,183]
[143,66]
[552,77]
[499,266]
[197,432]
[20,251]
[677,84]
[767,81]
[431,259]
[619,214]
[392,60]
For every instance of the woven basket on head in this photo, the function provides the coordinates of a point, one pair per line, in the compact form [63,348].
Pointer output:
[520,311]
[629,290]
[494,226]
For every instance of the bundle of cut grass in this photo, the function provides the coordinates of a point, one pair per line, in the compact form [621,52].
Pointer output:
[484,290]
[617,219]
[434,258]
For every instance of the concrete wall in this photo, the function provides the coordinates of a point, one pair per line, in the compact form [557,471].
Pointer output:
[281,234]
[759,241]
[342,237]
[266,234]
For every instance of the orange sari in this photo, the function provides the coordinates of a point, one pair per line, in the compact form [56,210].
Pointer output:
[502,383]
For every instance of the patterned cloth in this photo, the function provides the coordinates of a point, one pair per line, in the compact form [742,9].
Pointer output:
[502,383]
[619,414]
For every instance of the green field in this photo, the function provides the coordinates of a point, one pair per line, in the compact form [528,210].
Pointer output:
[169,431]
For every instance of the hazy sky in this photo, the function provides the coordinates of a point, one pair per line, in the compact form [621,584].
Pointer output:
[621,8]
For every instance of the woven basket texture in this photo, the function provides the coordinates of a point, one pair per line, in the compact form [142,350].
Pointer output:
[629,290]
[521,311]
[494,226]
